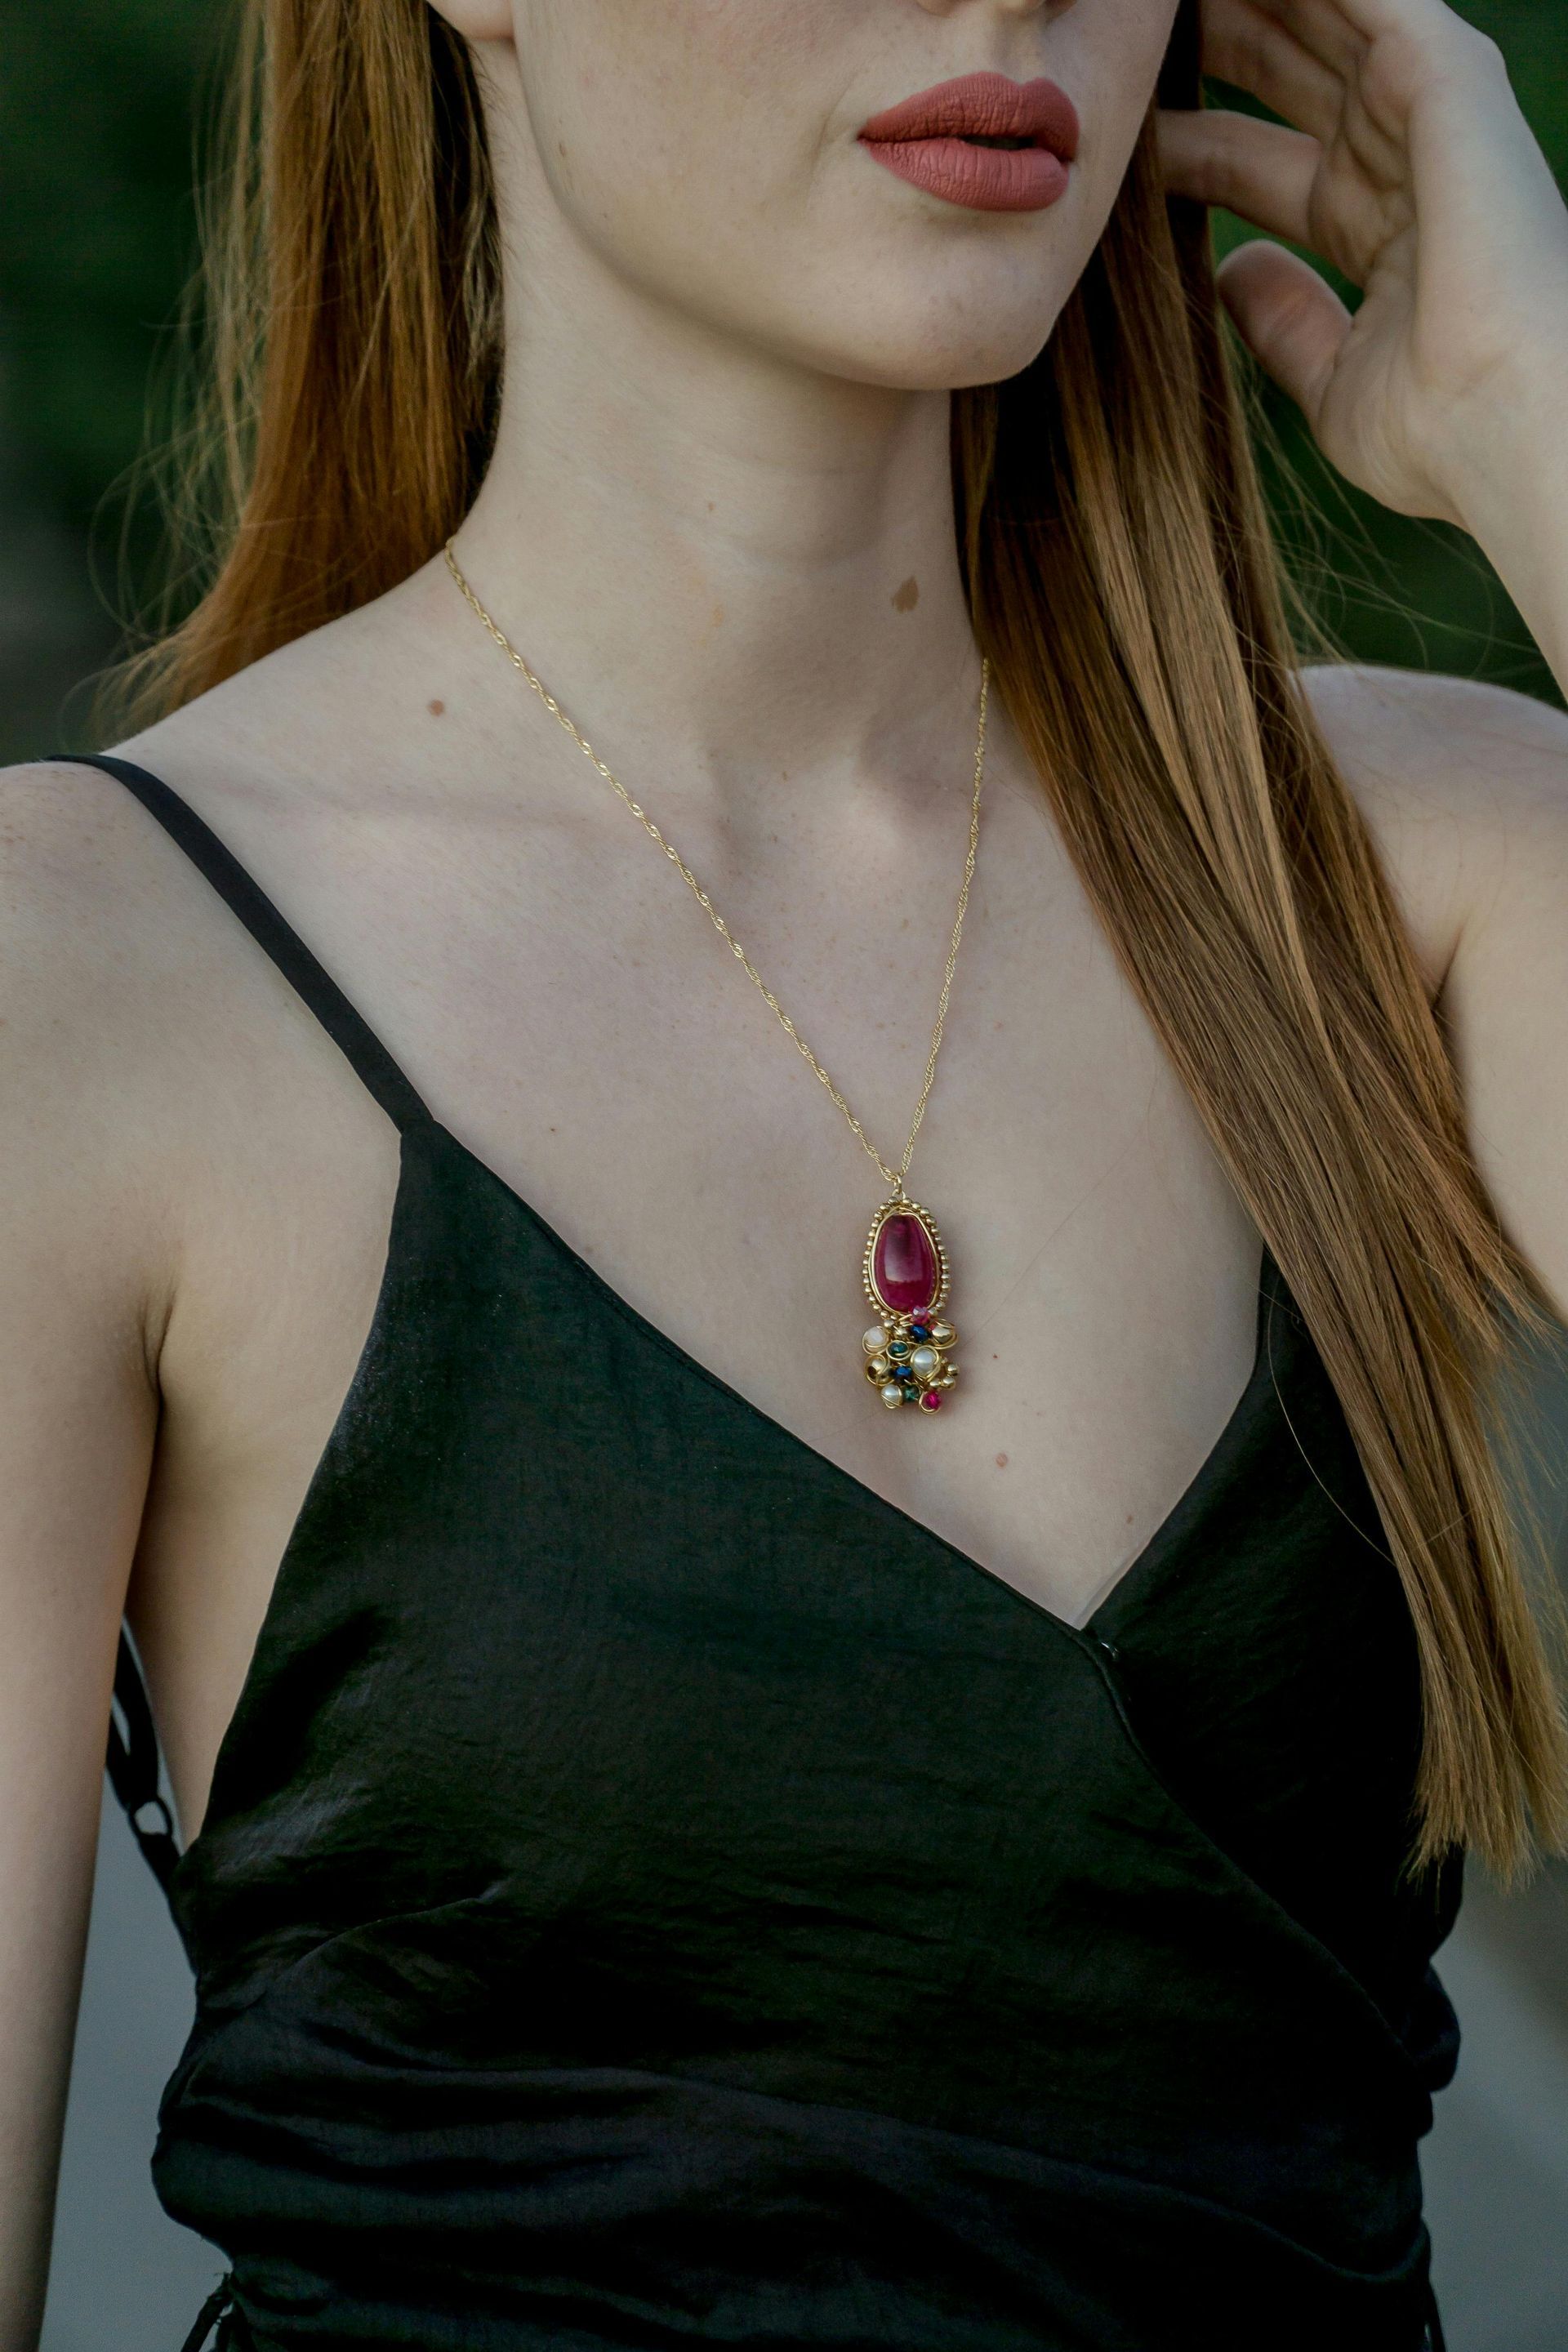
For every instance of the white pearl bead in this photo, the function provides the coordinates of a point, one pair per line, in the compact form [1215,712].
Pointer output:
[924,1360]
[893,1394]
[874,1341]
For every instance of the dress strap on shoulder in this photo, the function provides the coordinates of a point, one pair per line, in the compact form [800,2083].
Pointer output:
[278,939]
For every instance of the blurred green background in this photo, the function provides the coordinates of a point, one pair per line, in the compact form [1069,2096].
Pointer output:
[100,101]
[97,101]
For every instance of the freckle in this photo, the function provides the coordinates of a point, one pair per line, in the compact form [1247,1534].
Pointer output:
[434,709]
[709,506]
[1001,1462]
[906,598]
[718,620]
[561,147]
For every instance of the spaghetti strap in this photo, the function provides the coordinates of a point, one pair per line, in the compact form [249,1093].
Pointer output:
[352,1036]
[133,1766]
[132,1760]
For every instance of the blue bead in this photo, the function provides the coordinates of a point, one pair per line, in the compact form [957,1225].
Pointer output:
[919,1331]
[902,1373]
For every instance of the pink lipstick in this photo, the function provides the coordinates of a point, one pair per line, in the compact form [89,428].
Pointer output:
[997,145]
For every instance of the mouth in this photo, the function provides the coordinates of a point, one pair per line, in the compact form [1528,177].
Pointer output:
[982,110]
[982,141]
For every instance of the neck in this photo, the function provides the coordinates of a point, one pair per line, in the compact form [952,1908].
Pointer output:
[741,563]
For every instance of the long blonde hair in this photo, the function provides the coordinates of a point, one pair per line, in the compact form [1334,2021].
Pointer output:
[1122,579]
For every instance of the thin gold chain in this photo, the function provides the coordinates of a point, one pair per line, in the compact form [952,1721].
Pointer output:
[895,1177]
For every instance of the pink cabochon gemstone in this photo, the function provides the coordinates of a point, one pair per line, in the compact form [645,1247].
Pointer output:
[904,1265]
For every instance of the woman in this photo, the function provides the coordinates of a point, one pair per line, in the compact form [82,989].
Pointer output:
[676,1847]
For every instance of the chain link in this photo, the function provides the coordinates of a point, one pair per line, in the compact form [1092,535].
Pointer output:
[894,1177]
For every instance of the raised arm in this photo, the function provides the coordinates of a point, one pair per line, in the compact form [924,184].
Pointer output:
[1404,159]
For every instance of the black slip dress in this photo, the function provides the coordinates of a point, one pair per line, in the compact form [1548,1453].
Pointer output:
[656,1893]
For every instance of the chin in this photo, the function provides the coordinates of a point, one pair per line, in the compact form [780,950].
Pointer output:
[913,351]
[926,315]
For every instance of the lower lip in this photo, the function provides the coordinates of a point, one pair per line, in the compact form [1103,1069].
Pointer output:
[987,179]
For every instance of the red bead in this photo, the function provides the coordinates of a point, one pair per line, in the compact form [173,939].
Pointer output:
[904,1266]
[930,1402]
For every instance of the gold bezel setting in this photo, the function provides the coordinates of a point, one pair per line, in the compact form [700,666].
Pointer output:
[907,1333]
[898,1206]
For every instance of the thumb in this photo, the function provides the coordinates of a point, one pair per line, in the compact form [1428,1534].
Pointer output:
[1290,320]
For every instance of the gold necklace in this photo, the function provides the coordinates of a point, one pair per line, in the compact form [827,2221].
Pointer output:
[907,1351]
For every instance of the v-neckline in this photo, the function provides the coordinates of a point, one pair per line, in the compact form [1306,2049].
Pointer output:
[1187,1506]
[384,1079]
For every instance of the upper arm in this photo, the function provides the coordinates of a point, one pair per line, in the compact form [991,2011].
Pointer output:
[77,1417]
[1466,790]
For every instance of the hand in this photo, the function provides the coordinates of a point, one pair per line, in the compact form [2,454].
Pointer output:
[1410,168]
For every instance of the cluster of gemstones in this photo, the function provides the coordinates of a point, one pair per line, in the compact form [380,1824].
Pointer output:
[906,1361]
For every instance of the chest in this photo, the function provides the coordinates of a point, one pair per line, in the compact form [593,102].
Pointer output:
[590,1042]
[589,1037]
[591,1700]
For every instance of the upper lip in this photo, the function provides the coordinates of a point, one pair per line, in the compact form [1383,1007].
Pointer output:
[984,105]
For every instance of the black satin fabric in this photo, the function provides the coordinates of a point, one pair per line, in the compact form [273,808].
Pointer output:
[657,1893]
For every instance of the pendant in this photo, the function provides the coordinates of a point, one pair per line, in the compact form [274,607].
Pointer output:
[906,1279]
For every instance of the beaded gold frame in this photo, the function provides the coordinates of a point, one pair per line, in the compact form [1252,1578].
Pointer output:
[907,1351]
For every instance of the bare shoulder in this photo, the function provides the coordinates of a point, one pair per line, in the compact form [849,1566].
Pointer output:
[331,724]
[76,888]
[1465,787]
[124,978]
[128,1000]
[89,1095]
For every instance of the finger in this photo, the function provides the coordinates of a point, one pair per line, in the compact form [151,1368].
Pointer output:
[1341,33]
[1326,30]
[1259,170]
[1293,322]
[1349,25]
[1373,104]
[1245,45]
